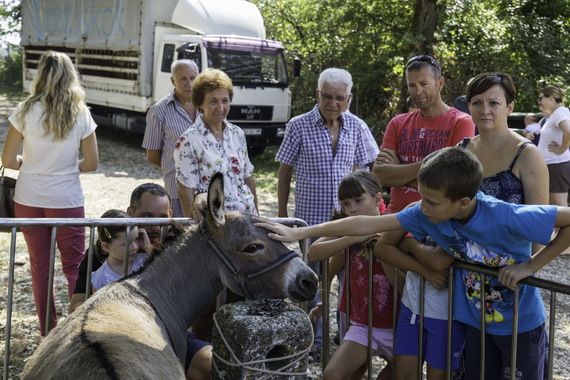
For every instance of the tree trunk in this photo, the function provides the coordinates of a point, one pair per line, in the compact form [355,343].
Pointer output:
[424,24]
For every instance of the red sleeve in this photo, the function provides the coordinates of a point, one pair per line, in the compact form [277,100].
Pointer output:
[464,127]
[391,135]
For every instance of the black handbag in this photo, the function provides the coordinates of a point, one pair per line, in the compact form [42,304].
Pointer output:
[7,187]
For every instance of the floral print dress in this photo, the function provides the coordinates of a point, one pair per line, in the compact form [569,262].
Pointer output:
[198,155]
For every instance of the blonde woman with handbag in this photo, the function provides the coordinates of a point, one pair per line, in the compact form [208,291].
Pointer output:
[52,125]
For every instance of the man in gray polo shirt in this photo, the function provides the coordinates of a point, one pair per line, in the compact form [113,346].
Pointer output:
[166,120]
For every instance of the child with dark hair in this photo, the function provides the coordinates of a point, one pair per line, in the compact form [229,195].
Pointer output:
[359,193]
[119,244]
[473,227]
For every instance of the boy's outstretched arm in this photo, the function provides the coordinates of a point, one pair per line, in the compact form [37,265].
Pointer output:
[512,274]
[388,250]
[354,225]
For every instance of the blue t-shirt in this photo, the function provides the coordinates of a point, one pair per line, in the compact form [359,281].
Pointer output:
[498,234]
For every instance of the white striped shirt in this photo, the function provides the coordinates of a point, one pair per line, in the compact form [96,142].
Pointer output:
[166,120]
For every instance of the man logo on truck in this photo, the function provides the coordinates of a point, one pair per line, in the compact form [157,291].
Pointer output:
[250,112]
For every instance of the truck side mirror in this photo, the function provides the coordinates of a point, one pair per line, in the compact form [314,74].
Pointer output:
[296,67]
[187,48]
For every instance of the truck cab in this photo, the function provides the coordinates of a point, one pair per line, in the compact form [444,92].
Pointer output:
[262,100]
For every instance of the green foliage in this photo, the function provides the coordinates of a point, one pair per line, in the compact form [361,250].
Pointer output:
[364,37]
[266,169]
[529,39]
[10,17]
[11,71]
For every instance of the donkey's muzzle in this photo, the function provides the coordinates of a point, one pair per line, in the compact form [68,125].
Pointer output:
[305,286]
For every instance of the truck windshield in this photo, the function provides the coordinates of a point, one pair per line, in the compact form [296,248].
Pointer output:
[246,68]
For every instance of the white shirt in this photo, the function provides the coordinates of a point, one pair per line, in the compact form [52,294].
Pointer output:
[49,175]
[436,301]
[551,132]
[106,275]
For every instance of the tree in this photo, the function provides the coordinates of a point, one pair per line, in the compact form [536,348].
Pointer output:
[11,64]
[11,17]
[366,38]
[529,39]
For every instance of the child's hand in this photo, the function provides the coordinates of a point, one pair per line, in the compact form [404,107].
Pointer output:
[316,312]
[144,241]
[280,232]
[439,280]
[512,274]
[366,238]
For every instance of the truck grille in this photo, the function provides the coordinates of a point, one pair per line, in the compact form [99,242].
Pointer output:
[238,112]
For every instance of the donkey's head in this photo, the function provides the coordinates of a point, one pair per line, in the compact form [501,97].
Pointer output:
[252,264]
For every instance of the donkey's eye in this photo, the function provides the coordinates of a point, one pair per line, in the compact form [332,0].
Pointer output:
[252,248]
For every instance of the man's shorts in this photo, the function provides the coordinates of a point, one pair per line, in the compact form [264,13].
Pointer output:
[434,345]
[382,339]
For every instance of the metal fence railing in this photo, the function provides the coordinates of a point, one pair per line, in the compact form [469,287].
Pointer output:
[91,224]
[552,287]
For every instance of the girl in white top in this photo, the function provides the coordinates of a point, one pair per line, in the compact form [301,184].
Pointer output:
[555,141]
[117,244]
[51,126]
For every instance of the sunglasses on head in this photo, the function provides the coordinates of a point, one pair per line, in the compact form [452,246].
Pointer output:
[423,58]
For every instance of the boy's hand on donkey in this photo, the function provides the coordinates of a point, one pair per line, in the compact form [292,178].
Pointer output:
[280,232]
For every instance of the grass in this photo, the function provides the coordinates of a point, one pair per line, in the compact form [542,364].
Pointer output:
[266,169]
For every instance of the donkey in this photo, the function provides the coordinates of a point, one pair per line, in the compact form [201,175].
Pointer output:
[136,328]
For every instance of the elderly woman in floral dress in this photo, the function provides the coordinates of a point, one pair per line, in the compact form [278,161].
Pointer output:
[211,145]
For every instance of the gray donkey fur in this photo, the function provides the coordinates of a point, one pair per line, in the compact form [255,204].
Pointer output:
[136,328]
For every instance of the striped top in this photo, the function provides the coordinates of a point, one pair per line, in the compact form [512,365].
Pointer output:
[166,121]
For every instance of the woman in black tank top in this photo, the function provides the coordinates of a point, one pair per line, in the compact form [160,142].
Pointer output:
[513,169]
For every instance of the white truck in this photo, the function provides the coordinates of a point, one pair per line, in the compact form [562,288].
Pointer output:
[123,50]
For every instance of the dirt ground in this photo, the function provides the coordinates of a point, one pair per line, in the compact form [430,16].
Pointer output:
[123,166]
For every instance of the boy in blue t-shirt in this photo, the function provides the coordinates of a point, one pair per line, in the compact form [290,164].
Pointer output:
[475,228]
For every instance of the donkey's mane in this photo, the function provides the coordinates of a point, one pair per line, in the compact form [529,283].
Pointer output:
[97,348]
[171,246]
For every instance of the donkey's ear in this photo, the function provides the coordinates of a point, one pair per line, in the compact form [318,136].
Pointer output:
[216,200]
